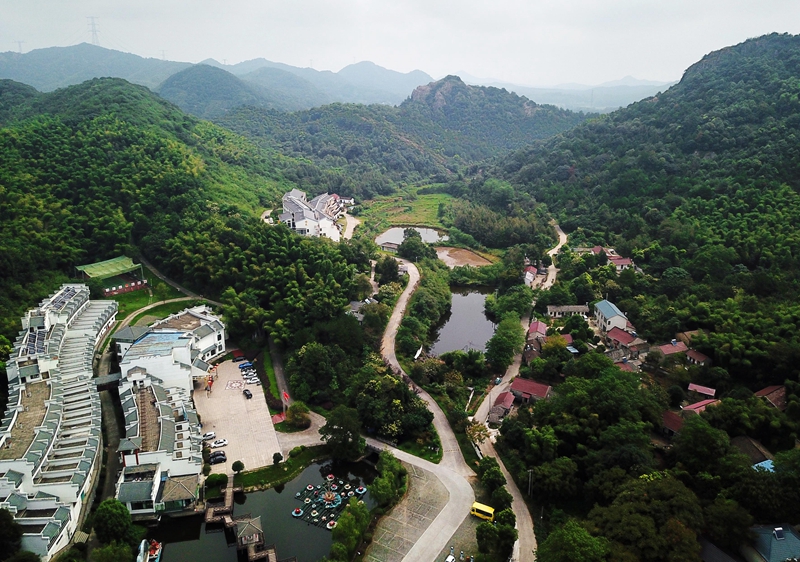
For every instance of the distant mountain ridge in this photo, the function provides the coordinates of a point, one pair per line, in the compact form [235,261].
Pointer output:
[600,98]
[365,82]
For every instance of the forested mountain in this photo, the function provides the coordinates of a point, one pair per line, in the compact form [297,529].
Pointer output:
[56,67]
[701,185]
[285,90]
[209,92]
[441,128]
[106,167]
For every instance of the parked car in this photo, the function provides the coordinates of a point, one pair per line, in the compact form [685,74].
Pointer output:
[219,443]
[217,460]
[245,365]
[247,394]
[249,372]
[209,436]
[217,454]
[252,381]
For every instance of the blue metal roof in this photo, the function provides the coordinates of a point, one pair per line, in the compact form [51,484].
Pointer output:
[608,309]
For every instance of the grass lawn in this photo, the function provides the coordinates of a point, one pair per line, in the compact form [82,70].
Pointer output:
[131,302]
[270,476]
[422,210]
[424,450]
[163,310]
[270,372]
[284,427]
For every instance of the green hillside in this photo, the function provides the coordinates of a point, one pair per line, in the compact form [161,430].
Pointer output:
[701,186]
[106,167]
[368,150]
[57,67]
[208,92]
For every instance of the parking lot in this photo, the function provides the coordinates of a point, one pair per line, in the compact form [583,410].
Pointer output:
[246,424]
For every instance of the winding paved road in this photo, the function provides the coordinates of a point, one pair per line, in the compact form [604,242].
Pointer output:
[452,471]
[526,545]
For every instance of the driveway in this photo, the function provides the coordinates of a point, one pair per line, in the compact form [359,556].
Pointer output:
[246,424]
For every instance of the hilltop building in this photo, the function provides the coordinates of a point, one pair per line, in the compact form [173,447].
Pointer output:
[313,218]
[50,436]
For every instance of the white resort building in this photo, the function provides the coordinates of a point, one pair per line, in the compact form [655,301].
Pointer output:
[161,452]
[50,437]
[313,218]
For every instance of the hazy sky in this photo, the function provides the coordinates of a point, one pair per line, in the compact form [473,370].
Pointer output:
[531,42]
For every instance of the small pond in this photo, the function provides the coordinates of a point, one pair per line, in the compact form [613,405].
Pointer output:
[466,327]
[187,538]
[395,235]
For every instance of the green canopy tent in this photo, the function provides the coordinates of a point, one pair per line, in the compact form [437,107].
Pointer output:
[110,268]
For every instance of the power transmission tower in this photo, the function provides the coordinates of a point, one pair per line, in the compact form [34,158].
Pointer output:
[163,54]
[93,29]
[19,45]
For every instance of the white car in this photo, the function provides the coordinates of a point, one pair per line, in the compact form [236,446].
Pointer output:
[252,381]
[219,443]
[209,436]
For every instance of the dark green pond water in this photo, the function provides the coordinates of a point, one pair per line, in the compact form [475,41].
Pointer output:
[466,327]
[187,539]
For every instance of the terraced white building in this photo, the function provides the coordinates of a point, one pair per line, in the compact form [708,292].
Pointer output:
[50,436]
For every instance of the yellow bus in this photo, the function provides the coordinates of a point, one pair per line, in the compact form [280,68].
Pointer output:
[482,511]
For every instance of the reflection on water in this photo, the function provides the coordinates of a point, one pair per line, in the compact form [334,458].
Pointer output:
[187,539]
[395,235]
[466,327]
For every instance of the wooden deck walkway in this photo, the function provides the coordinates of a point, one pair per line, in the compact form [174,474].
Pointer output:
[224,514]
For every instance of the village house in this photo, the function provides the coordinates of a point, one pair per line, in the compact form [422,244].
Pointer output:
[529,275]
[696,358]
[608,316]
[537,329]
[698,407]
[673,348]
[501,408]
[672,423]
[554,311]
[528,391]
[774,395]
[773,544]
[703,390]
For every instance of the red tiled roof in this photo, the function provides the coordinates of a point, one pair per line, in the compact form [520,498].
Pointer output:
[529,387]
[621,336]
[700,406]
[696,356]
[505,399]
[567,338]
[619,260]
[530,269]
[672,421]
[538,327]
[598,250]
[775,395]
[625,366]
[670,348]
[704,390]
